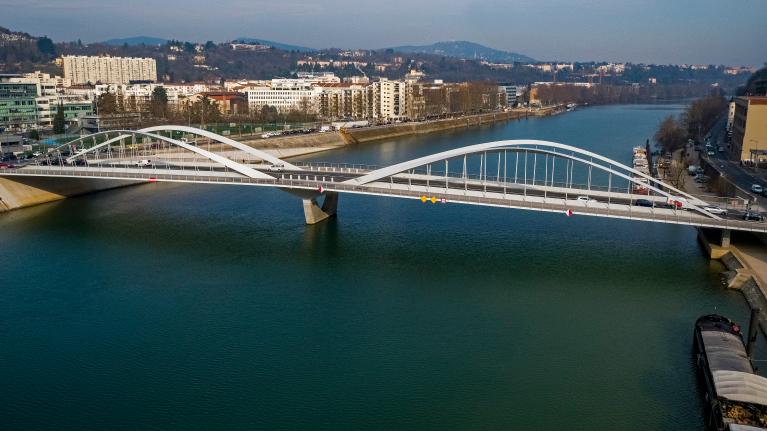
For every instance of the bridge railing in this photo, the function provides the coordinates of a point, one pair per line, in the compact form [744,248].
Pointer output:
[312,182]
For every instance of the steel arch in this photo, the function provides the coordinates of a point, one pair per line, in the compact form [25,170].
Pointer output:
[263,155]
[231,164]
[530,145]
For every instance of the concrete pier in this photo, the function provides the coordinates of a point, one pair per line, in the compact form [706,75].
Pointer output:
[314,213]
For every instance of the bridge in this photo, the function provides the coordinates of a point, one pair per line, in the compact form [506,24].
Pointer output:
[516,174]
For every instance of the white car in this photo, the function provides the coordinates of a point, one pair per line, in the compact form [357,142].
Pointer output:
[143,163]
[713,209]
[756,188]
[585,199]
[279,167]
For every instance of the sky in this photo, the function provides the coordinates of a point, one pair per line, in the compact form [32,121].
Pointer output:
[731,32]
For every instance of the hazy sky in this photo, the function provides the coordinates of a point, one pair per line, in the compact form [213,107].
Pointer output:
[652,31]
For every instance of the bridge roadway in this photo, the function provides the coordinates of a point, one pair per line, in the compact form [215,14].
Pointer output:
[453,189]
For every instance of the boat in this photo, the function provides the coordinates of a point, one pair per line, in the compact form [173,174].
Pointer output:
[640,164]
[735,397]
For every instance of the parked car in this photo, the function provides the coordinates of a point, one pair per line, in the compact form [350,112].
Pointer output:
[752,216]
[643,203]
[713,209]
[756,188]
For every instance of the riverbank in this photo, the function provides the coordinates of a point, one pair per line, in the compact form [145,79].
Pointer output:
[299,145]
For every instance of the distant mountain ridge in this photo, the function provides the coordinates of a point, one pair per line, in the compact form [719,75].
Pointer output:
[136,40]
[466,50]
[278,45]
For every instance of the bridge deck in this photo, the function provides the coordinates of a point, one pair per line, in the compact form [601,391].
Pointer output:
[472,192]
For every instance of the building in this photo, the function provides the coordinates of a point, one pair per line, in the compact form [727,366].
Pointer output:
[509,92]
[343,100]
[228,102]
[18,105]
[31,101]
[12,144]
[730,115]
[390,99]
[285,95]
[108,70]
[749,127]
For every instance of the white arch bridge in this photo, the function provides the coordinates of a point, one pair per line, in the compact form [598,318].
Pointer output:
[520,174]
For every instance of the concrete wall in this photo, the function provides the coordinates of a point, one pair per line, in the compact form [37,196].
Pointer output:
[20,192]
[404,129]
[328,139]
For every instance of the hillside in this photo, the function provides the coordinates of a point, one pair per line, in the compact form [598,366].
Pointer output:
[277,45]
[466,50]
[137,40]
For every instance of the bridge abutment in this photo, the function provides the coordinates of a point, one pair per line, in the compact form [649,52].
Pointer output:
[20,192]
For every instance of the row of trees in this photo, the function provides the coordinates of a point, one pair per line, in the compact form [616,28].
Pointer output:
[700,116]
[602,94]
[201,111]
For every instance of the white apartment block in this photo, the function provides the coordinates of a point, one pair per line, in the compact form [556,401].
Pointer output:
[391,99]
[285,94]
[109,70]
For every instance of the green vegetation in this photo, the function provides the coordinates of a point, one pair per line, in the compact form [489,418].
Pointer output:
[756,85]
[700,116]
[59,121]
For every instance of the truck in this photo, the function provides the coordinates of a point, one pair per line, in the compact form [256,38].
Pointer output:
[338,125]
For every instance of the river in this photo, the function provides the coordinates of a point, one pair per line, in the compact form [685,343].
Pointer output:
[214,307]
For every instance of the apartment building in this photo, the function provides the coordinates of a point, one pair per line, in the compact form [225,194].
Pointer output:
[390,99]
[108,70]
[749,127]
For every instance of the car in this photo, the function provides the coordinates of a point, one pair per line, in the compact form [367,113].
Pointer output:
[585,199]
[277,167]
[752,216]
[4,166]
[756,188]
[36,154]
[143,163]
[643,203]
[710,153]
[713,209]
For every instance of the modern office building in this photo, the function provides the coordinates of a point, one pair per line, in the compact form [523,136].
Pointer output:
[510,92]
[749,127]
[18,107]
[108,70]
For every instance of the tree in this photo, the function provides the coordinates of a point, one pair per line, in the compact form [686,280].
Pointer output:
[59,121]
[46,46]
[671,136]
[106,104]
[159,104]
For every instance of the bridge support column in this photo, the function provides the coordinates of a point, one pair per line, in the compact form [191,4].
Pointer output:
[314,213]
[725,238]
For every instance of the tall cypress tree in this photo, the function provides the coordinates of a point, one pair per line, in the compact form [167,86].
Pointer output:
[59,122]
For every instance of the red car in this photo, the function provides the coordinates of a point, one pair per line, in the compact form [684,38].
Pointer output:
[4,166]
